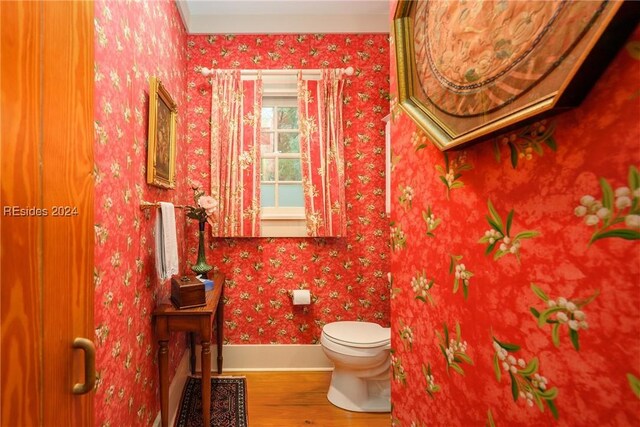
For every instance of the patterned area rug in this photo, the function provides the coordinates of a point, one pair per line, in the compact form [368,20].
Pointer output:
[228,403]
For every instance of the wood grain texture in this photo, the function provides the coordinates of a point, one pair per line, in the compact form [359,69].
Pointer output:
[67,153]
[47,162]
[20,297]
[289,399]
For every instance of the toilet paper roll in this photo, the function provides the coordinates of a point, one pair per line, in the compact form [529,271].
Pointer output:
[301,297]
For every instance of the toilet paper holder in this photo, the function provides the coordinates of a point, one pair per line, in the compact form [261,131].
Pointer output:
[300,296]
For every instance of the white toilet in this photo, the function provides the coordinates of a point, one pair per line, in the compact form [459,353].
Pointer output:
[360,353]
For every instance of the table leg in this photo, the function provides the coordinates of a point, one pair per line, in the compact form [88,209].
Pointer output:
[163,362]
[206,381]
[219,332]
[192,352]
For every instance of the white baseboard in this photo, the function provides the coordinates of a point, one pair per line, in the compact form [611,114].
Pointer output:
[175,390]
[269,357]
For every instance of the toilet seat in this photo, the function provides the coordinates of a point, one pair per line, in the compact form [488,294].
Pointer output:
[357,334]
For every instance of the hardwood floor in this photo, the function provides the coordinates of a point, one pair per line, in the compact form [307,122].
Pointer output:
[284,399]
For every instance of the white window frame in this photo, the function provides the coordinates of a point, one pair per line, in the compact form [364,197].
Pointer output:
[288,212]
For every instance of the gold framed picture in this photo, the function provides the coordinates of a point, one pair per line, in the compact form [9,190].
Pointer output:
[161,155]
[468,70]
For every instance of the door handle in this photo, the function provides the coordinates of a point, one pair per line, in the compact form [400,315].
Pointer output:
[89,365]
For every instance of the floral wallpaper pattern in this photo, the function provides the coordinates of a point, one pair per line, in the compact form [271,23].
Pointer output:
[347,277]
[133,41]
[516,268]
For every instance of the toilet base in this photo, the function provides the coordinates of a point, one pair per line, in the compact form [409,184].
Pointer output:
[358,395]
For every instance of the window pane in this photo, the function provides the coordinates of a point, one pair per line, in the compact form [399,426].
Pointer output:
[267,118]
[288,142]
[289,170]
[268,195]
[287,118]
[266,142]
[268,170]
[290,195]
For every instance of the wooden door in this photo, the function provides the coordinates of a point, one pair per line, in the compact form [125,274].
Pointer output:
[46,226]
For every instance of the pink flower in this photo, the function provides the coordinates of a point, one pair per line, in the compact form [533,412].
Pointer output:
[205,206]
[208,203]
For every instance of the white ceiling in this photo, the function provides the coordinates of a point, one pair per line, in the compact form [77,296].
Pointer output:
[284,16]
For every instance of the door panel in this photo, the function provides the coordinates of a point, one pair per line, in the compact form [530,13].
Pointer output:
[46,257]
[21,371]
[67,153]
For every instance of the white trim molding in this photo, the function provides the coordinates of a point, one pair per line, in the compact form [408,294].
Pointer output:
[269,357]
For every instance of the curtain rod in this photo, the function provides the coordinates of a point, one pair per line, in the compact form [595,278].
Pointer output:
[208,71]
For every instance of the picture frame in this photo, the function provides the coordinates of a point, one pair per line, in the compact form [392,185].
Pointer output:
[468,71]
[161,154]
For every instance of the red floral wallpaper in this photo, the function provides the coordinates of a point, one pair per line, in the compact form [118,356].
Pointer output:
[347,277]
[516,268]
[133,41]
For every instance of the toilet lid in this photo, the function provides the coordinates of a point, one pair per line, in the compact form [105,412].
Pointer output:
[357,334]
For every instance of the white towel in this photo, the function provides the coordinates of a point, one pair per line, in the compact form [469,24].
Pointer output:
[166,242]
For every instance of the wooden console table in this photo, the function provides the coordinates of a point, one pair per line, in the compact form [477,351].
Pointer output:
[168,318]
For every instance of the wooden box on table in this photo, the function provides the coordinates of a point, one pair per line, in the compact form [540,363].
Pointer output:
[187,292]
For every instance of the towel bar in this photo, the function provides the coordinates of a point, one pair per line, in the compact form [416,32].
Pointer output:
[148,205]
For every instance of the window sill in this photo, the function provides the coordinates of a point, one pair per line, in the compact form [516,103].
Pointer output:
[282,217]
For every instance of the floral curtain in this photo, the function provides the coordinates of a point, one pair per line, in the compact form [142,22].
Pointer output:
[235,154]
[322,153]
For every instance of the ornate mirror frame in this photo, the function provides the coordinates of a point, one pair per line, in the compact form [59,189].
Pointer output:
[461,80]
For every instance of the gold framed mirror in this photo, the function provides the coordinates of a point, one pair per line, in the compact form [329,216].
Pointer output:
[470,69]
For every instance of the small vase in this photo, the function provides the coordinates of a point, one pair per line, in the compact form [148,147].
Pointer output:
[201,267]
